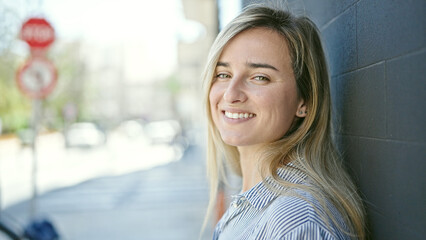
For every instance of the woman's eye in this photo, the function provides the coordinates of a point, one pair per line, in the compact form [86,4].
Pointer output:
[222,76]
[261,78]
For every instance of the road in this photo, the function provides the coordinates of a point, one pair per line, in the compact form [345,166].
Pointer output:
[58,166]
[127,189]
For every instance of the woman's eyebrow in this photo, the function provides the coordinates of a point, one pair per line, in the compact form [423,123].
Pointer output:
[251,65]
[261,65]
[222,64]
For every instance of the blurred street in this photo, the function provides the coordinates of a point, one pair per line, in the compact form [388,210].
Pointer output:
[117,99]
[127,189]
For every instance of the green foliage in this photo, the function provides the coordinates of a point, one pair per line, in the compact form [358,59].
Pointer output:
[173,84]
[15,109]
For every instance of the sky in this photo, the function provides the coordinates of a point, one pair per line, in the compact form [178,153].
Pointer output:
[106,20]
[109,21]
[114,20]
[146,31]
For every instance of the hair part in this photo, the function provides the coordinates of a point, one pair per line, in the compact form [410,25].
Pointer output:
[308,143]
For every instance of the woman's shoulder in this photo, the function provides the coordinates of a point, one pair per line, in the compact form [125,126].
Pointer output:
[294,208]
[300,214]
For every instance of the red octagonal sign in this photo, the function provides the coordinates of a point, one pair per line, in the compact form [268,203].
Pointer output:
[37,32]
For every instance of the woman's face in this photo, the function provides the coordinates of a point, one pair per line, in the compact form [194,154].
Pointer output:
[253,97]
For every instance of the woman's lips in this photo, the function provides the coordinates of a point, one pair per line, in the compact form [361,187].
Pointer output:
[238,115]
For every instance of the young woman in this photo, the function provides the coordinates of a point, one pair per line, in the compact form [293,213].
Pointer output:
[269,119]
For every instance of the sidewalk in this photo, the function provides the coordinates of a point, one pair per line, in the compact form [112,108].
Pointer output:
[165,202]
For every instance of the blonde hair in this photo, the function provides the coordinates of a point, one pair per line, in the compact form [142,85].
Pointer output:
[308,143]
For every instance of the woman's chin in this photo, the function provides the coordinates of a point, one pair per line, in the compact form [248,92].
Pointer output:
[232,141]
[236,142]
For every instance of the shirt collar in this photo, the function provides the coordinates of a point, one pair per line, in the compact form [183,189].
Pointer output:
[266,191]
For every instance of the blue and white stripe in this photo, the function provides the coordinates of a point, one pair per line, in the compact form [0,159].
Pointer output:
[261,213]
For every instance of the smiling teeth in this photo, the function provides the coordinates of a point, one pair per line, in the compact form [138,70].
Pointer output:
[239,115]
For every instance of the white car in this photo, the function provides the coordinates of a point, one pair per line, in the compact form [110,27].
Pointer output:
[84,135]
[166,131]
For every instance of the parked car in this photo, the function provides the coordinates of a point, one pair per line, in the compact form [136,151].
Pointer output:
[84,135]
[131,128]
[166,131]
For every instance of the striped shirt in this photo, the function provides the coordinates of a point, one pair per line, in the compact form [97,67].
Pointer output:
[261,213]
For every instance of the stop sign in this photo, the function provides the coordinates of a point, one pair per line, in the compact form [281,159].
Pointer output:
[37,32]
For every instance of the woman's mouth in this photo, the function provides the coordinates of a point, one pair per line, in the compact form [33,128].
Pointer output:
[239,115]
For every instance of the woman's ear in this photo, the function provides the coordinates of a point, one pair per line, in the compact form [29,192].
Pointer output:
[302,111]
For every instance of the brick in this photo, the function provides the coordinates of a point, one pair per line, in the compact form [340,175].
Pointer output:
[382,228]
[389,28]
[406,94]
[322,12]
[360,98]
[379,225]
[409,185]
[391,177]
[335,106]
[367,158]
[339,39]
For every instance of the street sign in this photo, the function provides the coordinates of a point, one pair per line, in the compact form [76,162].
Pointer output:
[37,77]
[37,32]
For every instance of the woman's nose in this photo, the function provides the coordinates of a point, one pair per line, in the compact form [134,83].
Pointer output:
[235,91]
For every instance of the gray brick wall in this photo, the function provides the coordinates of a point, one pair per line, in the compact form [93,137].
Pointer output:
[377,55]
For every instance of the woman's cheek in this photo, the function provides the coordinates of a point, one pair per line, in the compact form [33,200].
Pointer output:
[215,95]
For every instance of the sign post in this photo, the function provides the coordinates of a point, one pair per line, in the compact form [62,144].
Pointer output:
[37,109]
[36,79]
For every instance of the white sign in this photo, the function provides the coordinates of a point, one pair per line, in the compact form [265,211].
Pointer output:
[37,77]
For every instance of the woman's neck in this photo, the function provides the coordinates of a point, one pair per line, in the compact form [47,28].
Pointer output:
[249,160]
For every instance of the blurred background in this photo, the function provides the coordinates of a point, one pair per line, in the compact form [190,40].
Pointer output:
[118,151]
